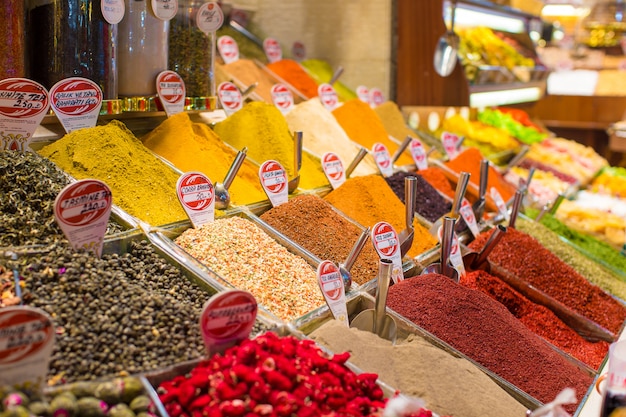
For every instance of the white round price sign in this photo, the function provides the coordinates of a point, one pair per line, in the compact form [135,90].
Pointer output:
[274,181]
[376,97]
[209,17]
[298,50]
[333,168]
[228,49]
[331,284]
[272,50]
[230,97]
[282,98]
[76,102]
[383,159]
[363,93]
[328,96]
[197,196]
[419,154]
[171,90]
[387,245]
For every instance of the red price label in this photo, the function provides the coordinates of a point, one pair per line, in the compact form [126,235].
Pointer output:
[171,87]
[328,96]
[419,154]
[282,98]
[450,141]
[382,159]
[385,240]
[363,93]
[228,49]
[273,177]
[195,191]
[332,165]
[24,332]
[330,280]
[22,99]
[298,50]
[377,97]
[228,316]
[272,50]
[230,97]
[76,96]
[83,202]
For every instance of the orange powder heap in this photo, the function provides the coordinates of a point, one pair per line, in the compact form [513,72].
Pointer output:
[290,71]
[364,126]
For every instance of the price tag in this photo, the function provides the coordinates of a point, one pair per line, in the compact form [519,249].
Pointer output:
[376,97]
[333,168]
[197,196]
[331,284]
[112,10]
[500,204]
[230,97]
[468,215]
[26,343]
[383,159]
[82,210]
[363,93]
[209,17]
[272,50]
[227,46]
[328,96]
[282,98]
[165,9]
[450,141]
[419,154]
[171,90]
[414,120]
[298,50]
[274,181]
[433,121]
[227,319]
[387,245]
[456,259]
[76,102]
[23,105]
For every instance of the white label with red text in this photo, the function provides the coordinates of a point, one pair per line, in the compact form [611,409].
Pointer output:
[298,50]
[27,337]
[500,204]
[376,97]
[230,97]
[455,256]
[171,90]
[387,245]
[23,105]
[272,50]
[274,181]
[165,9]
[331,284]
[333,168]
[419,154]
[382,157]
[76,102]
[227,46]
[210,17]
[282,98]
[450,144]
[328,96]
[197,196]
[113,10]
[227,318]
[82,210]
[363,93]
[467,212]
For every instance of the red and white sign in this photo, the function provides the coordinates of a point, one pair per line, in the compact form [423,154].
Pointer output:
[387,245]
[333,168]
[272,50]
[328,96]
[500,204]
[376,97]
[298,50]
[82,210]
[26,343]
[455,256]
[274,181]
[165,9]
[227,319]
[228,48]
[23,105]
[171,90]
[419,154]
[197,196]
[363,93]
[382,157]
[282,98]
[113,10]
[450,144]
[76,102]
[467,212]
[230,97]
[331,284]
[210,17]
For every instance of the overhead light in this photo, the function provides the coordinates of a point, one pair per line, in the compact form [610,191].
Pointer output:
[473,18]
[554,10]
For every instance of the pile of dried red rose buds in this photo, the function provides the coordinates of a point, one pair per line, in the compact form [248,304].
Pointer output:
[273,376]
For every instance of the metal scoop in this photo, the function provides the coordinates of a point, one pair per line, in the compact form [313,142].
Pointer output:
[443,266]
[446,50]
[517,158]
[344,268]
[517,203]
[550,209]
[479,205]
[474,261]
[377,320]
[297,162]
[406,236]
[336,75]
[222,196]
[401,149]
[249,90]
[459,193]
[357,159]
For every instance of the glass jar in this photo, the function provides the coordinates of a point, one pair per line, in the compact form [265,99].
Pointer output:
[142,49]
[71,38]
[12,39]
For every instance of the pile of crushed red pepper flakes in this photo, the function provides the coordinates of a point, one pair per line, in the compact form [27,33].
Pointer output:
[274,376]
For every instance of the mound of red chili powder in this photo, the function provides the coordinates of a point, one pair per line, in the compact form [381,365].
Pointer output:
[274,376]
[539,319]
[524,257]
[487,332]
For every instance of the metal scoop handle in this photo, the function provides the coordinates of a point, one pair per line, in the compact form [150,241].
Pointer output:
[297,154]
[484,177]
[356,249]
[446,245]
[336,75]
[517,158]
[517,203]
[249,90]
[410,191]
[493,240]
[557,202]
[459,193]
[234,168]
[357,159]
[384,277]
[529,178]
[401,149]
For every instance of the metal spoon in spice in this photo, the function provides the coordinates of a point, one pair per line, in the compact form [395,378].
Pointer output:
[401,149]
[297,163]
[474,261]
[377,320]
[406,236]
[344,268]
[479,205]
[517,203]
[336,75]
[550,209]
[357,159]
[459,193]
[222,196]
[443,266]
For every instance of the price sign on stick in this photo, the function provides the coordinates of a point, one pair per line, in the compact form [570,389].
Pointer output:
[23,105]
[197,196]
[328,96]
[76,102]
[387,245]
[165,9]
[467,212]
[333,168]
[419,154]
[376,97]
[382,159]
[272,50]
[331,284]
[298,50]
[210,17]
[274,181]
[230,97]
[500,204]
[456,258]
[450,141]
[113,10]
[282,98]
[229,51]
[171,90]
[363,93]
